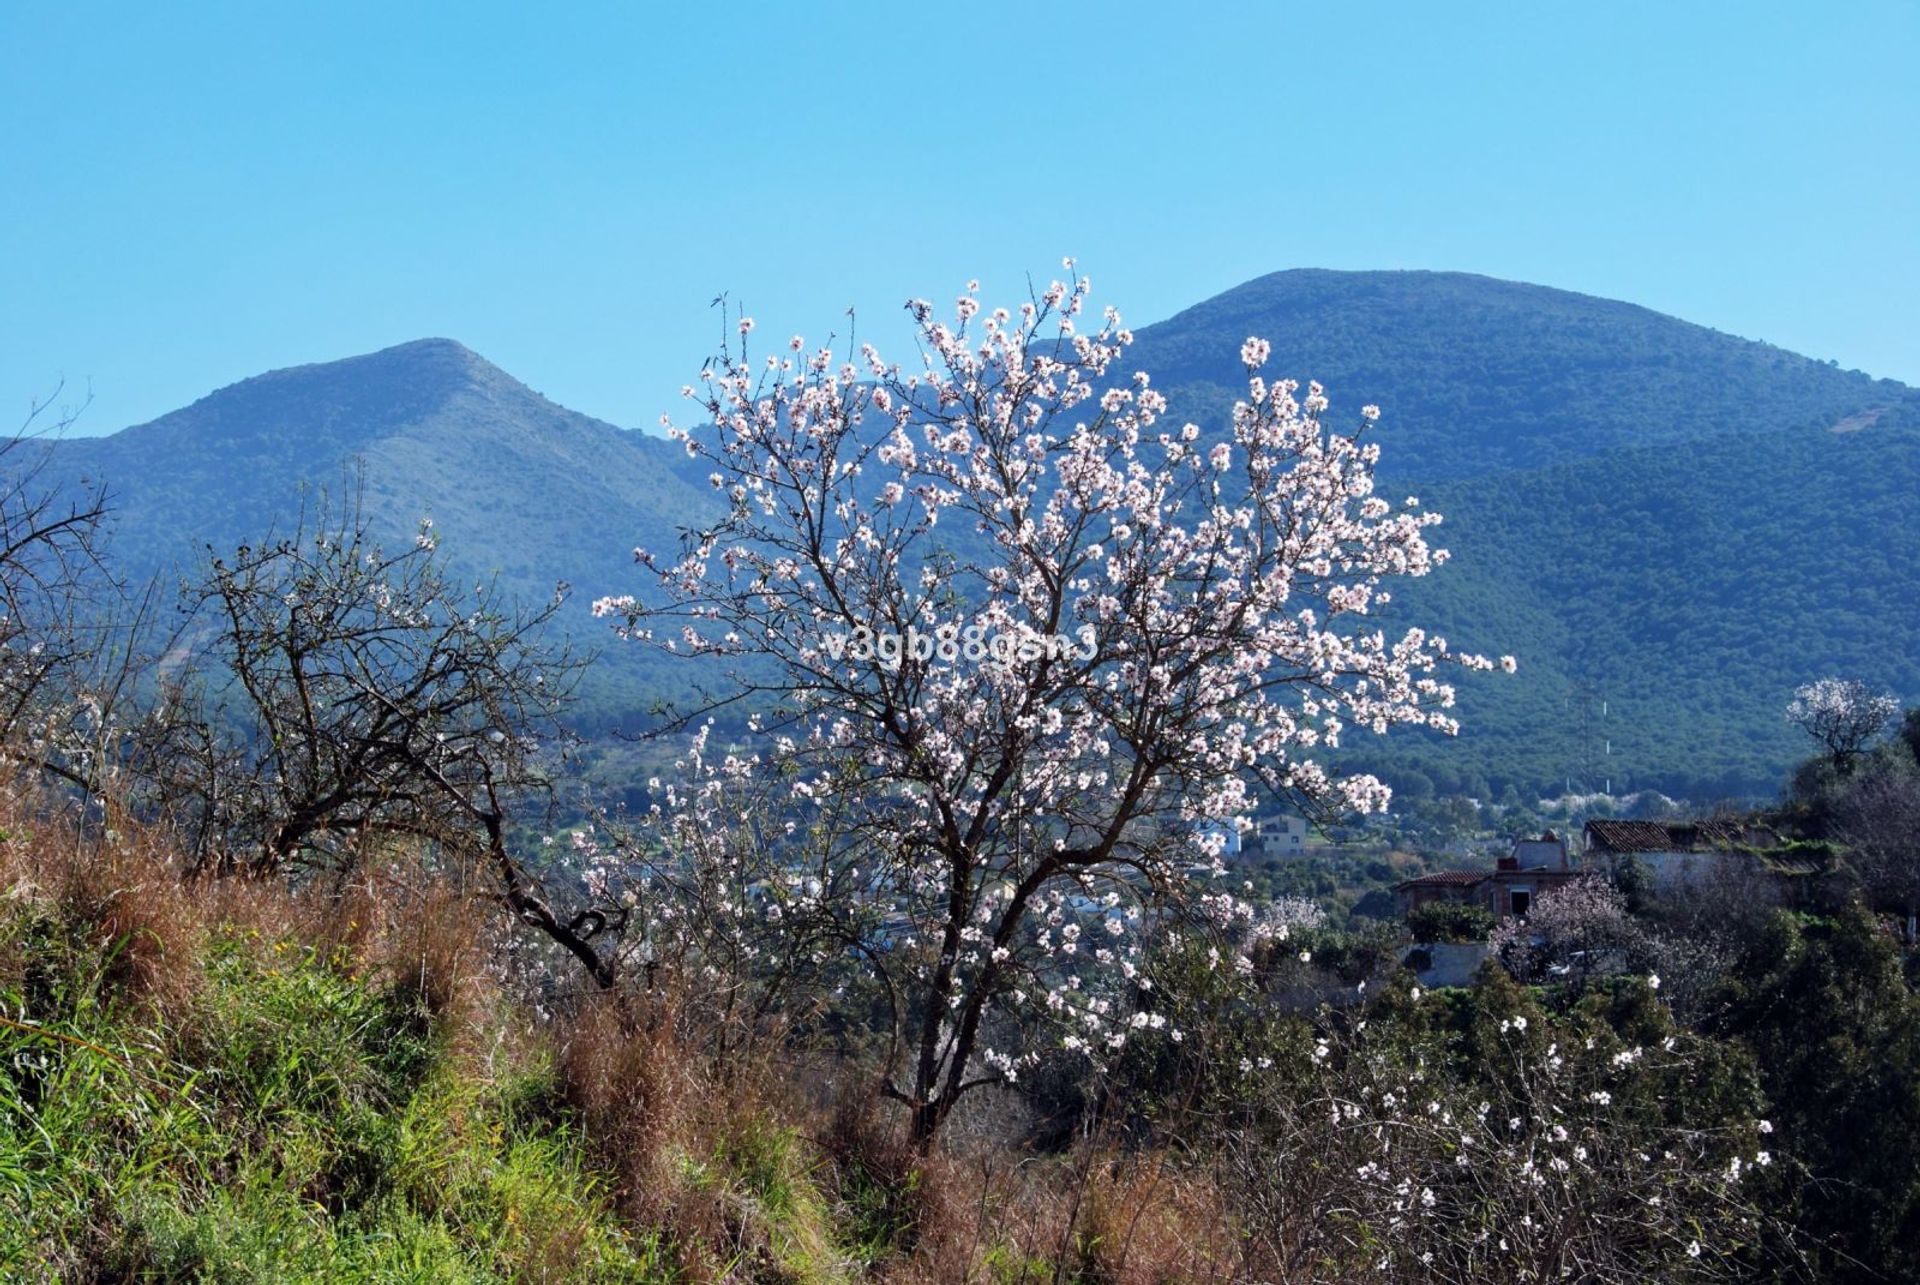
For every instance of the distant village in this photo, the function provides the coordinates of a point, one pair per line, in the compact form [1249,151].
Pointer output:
[1655,859]
[1658,859]
[1671,855]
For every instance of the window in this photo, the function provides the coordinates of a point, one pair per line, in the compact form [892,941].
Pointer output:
[1520,900]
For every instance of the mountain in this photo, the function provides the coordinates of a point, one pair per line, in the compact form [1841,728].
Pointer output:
[1672,527]
[1474,374]
[518,486]
[1655,517]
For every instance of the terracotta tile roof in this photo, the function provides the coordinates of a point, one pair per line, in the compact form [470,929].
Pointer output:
[1673,836]
[1445,879]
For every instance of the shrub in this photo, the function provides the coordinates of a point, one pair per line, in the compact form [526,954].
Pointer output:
[1450,921]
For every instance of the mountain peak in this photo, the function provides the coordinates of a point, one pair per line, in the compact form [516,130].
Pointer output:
[343,404]
[427,358]
[432,344]
[433,363]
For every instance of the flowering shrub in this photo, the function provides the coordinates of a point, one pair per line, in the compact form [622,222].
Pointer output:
[1463,1135]
[1566,1165]
[989,826]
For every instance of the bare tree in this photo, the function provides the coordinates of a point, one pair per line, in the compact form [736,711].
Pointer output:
[1878,818]
[57,676]
[344,693]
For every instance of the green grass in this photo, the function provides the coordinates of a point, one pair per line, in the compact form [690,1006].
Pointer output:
[763,1175]
[295,1124]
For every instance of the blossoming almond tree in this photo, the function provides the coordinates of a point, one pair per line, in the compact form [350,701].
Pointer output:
[1032,647]
[1582,929]
[1843,715]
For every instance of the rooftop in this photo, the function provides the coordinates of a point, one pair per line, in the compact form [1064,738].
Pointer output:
[1676,836]
[1446,879]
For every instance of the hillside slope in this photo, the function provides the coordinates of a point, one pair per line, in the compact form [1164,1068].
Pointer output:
[1476,374]
[516,485]
[1673,599]
[519,489]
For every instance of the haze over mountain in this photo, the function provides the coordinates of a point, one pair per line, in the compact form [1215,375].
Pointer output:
[1647,512]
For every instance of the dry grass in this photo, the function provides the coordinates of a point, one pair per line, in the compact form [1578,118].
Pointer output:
[620,1068]
[991,1212]
[113,898]
[119,891]
[743,1171]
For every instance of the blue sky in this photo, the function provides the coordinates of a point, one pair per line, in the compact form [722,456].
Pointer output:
[198,193]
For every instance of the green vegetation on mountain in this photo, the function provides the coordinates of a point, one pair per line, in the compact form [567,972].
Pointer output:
[1474,374]
[1668,599]
[526,489]
[518,489]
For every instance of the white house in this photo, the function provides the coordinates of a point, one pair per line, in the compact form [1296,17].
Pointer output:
[1280,835]
[1678,854]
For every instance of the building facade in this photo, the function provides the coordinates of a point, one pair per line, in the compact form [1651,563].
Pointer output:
[1517,880]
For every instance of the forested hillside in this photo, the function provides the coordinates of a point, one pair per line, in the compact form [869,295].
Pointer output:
[1474,374]
[1688,591]
[517,488]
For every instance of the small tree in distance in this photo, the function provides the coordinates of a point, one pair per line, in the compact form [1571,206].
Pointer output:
[1843,715]
[1022,654]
